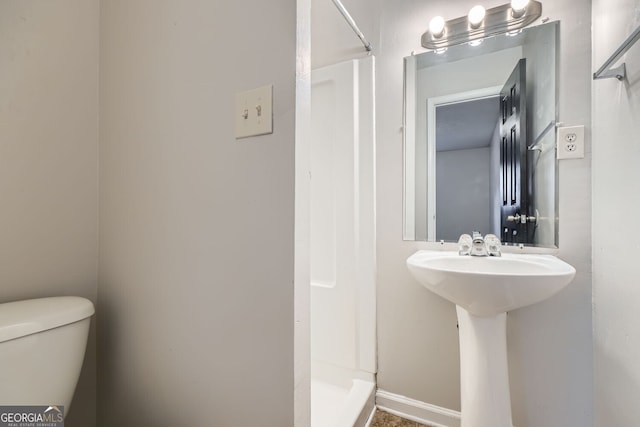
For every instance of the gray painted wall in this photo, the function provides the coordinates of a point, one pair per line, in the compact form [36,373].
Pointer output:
[463,202]
[616,172]
[549,343]
[48,160]
[196,250]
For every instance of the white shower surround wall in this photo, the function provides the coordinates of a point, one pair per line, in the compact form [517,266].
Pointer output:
[342,237]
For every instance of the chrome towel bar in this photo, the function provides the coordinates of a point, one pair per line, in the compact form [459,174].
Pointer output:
[619,72]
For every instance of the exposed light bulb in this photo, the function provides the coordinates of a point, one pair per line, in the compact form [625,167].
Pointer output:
[518,7]
[476,16]
[436,26]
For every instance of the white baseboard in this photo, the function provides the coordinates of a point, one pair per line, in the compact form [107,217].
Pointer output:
[417,411]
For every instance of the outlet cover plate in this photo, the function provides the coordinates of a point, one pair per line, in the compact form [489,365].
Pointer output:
[253,112]
[570,142]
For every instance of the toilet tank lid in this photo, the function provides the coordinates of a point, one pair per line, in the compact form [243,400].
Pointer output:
[21,318]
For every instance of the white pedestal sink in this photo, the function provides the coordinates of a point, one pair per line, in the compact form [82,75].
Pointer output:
[484,289]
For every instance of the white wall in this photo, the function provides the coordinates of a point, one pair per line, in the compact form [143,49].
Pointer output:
[550,343]
[616,172]
[48,160]
[196,248]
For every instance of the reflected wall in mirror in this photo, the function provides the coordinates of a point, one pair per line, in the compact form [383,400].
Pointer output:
[479,140]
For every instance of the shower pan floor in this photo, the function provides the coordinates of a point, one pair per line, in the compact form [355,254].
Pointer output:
[334,406]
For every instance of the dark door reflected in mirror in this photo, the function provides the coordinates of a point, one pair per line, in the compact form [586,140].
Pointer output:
[513,158]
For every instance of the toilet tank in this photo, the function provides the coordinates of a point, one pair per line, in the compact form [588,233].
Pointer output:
[42,346]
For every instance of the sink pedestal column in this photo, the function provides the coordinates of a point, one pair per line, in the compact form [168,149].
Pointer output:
[484,373]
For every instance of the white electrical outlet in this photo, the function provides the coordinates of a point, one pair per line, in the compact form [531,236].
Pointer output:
[570,142]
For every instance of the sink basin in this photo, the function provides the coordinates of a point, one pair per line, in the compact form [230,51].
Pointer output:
[484,289]
[486,286]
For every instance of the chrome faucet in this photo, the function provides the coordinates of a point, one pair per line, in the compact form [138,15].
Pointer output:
[464,244]
[493,244]
[476,245]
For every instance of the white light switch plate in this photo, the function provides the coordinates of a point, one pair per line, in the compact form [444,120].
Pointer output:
[570,142]
[253,112]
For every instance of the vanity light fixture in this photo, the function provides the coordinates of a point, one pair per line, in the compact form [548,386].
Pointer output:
[518,7]
[481,23]
[476,16]
[436,27]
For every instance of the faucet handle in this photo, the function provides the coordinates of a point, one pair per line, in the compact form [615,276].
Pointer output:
[493,245]
[464,244]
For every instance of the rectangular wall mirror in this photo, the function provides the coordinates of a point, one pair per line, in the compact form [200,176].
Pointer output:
[479,140]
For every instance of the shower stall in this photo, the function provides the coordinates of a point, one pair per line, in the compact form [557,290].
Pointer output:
[342,244]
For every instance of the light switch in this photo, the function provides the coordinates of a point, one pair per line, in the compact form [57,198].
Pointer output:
[254,112]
